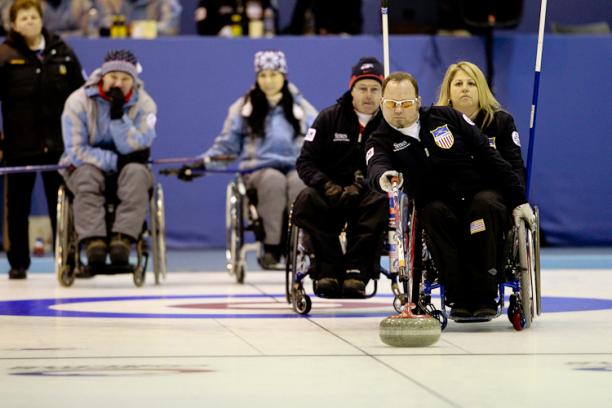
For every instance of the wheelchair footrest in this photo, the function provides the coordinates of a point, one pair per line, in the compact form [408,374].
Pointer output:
[471,319]
[106,269]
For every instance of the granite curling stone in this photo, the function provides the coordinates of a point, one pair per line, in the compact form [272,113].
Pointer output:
[409,330]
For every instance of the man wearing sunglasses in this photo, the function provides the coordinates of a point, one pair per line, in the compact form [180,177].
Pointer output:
[332,165]
[440,158]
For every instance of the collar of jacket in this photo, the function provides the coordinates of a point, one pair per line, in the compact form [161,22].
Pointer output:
[92,88]
[107,98]
[16,40]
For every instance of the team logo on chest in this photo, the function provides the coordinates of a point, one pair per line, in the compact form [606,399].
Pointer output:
[443,137]
[341,137]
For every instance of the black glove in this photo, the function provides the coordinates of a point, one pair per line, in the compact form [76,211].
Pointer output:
[139,156]
[117,100]
[332,192]
[186,172]
[351,193]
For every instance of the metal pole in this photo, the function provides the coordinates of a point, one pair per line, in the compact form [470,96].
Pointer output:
[384,10]
[56,167]
[534,103]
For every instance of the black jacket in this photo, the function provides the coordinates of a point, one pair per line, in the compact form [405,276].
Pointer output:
[446,163]
[332,149]
[504,137]
[33,92]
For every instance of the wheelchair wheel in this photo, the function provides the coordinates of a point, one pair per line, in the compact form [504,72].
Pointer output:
[65,241]
[142,256]
[138,276]
[298,261]
[158,233]
[527,304]
[302,303]
[537,280]
[234,232]
[398,303]
[240,274]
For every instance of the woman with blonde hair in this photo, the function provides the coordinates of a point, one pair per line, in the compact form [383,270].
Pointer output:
[465,88]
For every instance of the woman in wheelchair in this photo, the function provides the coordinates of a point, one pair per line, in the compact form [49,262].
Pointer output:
[465,88]
[108,127]
[462,187]
[265,129]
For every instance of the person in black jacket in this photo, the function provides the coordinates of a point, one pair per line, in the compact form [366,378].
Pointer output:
[214,17]
[332,165]
[465,88]
[442,159]
[37,73]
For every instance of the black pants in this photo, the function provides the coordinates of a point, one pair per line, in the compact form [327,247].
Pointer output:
[466,242]
[17,202]
[366,219]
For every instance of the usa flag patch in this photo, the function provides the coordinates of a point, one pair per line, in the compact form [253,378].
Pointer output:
[477,226]
[443,137]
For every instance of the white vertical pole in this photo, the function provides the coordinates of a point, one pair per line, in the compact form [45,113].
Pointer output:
[534,102]
[384,10]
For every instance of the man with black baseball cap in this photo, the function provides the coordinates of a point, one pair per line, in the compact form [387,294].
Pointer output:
[332,165]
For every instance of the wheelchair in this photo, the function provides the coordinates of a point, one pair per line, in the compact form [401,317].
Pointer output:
[301,263]
[418,274]
[68,263]
[241,216]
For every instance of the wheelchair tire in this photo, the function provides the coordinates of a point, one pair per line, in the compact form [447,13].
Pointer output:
[537,280]
[290,263]
[302,303]
[298,261]
[240,274]
[65,241]
[234,233]
[158,233]
[139,275]
[527,278]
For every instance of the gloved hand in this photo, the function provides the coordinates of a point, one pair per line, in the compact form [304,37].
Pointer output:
[187,174]
[351,193]
[524,212]
[117,100]
[385,182]
[138,156]
[332,191]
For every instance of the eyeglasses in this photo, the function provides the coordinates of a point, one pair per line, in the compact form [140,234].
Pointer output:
[393,104]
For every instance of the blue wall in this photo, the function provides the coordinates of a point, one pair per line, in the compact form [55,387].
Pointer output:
[194,80]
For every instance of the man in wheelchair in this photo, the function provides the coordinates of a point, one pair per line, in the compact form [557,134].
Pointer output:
[332,165]
[462,189]
[108,127]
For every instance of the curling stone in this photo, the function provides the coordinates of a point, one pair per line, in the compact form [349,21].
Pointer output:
[409,330]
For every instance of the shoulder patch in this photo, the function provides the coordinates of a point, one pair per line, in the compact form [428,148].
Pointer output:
[468,120]
[369,154]
[516,139]
[310,135]
[151,120]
